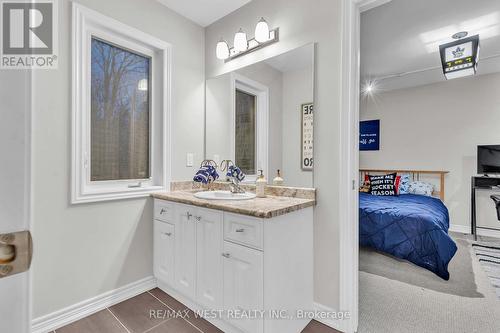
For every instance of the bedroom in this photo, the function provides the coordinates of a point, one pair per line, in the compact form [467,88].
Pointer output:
[426,129]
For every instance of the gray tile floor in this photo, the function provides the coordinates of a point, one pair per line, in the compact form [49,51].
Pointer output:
[133,316]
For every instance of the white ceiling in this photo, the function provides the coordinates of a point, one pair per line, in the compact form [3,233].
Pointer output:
[404,36]
[204,12]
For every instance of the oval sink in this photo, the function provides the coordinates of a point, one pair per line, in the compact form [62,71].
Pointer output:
[224,195]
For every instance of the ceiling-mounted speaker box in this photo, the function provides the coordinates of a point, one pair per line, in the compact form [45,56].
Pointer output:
[460,58]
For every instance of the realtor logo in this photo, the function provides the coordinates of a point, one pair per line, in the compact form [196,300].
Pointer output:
[28,38]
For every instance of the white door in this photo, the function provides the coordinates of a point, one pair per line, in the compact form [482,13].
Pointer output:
[15,134]
[185,250]
[243,284]
[164,248]
[209,258]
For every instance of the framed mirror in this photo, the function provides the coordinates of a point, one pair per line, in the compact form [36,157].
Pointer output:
[261,118]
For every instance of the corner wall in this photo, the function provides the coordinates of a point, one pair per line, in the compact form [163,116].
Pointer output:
[303,22]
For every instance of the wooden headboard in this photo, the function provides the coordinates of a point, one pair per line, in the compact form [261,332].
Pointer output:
[414,175]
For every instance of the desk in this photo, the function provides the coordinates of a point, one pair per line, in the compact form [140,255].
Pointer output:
[485,183]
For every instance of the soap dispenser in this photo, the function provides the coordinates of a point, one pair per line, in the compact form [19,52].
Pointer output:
[278,181]
[260,185]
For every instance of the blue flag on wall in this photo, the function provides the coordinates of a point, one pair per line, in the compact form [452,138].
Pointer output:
[369,135]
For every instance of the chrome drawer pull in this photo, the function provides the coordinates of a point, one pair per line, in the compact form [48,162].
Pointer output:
[226,255]
[198,218]
[188,214]
[167,234]
[240,230]
[163,211]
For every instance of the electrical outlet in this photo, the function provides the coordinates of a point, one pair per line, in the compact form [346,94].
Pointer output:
[189,159]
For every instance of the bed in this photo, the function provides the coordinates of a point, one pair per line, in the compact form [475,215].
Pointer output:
[411,227]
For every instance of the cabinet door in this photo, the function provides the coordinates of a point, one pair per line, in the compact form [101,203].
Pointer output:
[164,240]
[243,284]
[209,258]
[185,250]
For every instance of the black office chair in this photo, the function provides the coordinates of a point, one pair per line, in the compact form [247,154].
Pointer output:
[496,199]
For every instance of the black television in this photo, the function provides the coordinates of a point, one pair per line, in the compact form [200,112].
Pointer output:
[488,159]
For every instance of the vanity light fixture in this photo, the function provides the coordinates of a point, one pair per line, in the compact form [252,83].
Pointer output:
[240,41]
[243,45]
[222,50]
[262,31]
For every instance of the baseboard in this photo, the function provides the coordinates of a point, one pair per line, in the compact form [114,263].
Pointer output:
[83,309]
[341,325]
[489,233]
[463,229]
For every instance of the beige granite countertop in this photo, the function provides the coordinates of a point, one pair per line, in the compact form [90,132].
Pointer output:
[268,207]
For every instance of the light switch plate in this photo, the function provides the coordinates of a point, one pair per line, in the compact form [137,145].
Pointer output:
[189,159]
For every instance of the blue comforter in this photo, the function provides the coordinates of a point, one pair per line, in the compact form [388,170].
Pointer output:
[411,227]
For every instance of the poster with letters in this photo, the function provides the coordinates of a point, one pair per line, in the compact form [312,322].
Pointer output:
[307,136]
[369,135]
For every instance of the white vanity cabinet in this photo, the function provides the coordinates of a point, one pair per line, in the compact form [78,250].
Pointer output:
[185,250]
[243,283]
[209,261]
[164,249]
[190,259]
[215,260]
[164,242]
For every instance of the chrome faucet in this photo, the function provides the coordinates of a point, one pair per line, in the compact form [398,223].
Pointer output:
[234,185]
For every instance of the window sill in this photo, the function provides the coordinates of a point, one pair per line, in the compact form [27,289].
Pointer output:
[91,197]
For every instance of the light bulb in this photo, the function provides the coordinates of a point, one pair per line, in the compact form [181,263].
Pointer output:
[222,50]
[262,31]
[240,41]
[369,87]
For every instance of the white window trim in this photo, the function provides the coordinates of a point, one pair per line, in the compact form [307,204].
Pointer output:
[88,23]
[250,86]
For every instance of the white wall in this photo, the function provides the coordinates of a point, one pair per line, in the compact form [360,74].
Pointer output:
[297,90]
[84,250]
[218,118]
[302,22]
[438,127]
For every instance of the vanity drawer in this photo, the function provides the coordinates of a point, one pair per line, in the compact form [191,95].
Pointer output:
[244,230]
[163,211]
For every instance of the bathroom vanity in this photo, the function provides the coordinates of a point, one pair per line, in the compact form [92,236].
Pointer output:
[249,262]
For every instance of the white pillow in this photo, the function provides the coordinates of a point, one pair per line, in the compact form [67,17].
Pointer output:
[421,188]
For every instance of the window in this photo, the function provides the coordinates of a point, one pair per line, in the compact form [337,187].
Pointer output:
[245,118]
[121,93]
[120,104]
[250,125]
